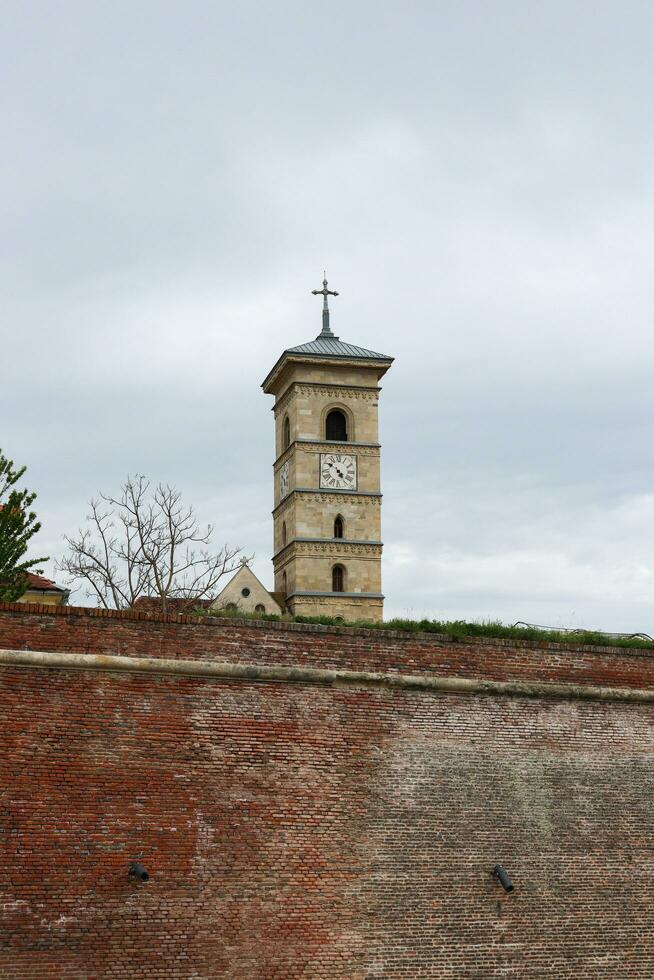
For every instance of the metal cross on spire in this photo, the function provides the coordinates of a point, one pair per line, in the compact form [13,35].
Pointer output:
[324,292]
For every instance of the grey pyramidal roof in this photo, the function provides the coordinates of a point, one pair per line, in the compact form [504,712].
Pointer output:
[328,345]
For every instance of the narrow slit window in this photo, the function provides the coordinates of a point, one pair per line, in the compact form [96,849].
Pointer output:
[337,578]
[338,527]
[286,436]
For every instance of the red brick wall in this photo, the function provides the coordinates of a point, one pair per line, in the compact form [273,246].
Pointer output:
[303,831]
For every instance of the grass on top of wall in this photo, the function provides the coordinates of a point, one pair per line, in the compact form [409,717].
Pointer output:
[457,629]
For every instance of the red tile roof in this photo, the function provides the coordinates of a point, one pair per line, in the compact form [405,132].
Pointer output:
[40,584]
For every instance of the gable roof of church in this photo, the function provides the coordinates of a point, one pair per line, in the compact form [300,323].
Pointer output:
[231,593]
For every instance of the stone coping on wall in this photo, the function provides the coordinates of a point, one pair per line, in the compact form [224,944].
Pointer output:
[209,622]
[252,673]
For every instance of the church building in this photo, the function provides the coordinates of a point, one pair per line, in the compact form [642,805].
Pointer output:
[327,545]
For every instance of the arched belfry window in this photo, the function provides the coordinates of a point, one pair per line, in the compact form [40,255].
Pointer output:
[336,426]
[338,527]
[286,433]
[338,578]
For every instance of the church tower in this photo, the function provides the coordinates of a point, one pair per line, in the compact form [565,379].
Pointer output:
[327,514]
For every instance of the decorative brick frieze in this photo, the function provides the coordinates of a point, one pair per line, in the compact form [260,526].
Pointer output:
[341,392]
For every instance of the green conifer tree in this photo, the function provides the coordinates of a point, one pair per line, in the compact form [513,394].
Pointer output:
[17,525]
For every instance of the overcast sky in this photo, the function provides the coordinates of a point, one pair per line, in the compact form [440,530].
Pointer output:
[478,180]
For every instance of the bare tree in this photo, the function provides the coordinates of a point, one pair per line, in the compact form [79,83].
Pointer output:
[146,543]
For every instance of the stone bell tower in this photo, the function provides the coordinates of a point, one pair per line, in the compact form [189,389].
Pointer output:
[327,495]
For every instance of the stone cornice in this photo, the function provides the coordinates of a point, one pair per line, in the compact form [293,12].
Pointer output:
[334,496]
[319,547]
[378,364]
[251,673]
[321,446]
[356,392]
[287,397]
[301,593]
[333,384]
[287,502]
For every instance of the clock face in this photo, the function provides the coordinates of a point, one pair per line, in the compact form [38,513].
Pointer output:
[283,479]
[338,472]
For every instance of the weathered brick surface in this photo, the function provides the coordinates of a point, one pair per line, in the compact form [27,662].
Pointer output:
[296,831]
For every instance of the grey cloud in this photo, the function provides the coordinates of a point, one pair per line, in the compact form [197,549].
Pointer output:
[478,181]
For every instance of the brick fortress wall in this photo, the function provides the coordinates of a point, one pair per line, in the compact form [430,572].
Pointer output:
[320,830]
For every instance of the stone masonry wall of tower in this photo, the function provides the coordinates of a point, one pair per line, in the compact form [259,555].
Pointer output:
[327,546]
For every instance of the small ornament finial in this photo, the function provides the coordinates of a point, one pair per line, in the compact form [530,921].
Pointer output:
[324,292]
